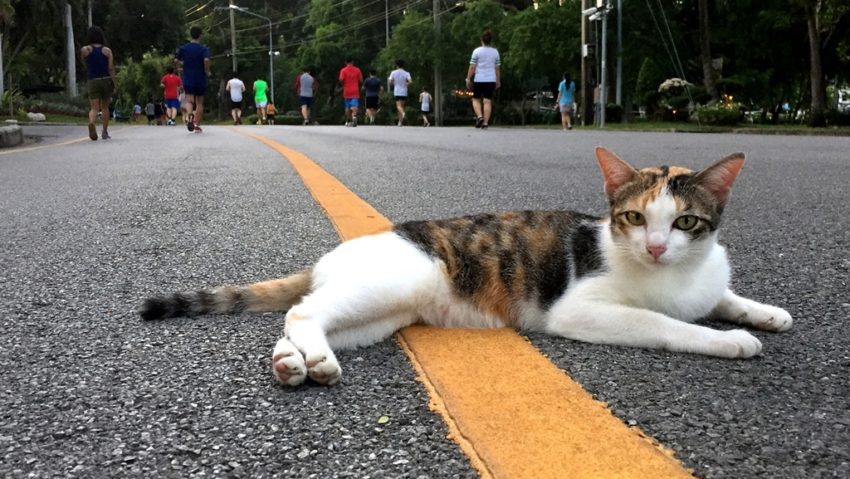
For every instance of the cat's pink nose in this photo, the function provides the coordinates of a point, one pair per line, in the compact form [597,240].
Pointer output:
[656,250]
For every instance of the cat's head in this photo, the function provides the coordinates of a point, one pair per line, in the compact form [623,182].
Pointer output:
[668,214]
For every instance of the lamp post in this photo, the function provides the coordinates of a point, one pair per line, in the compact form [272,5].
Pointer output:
[271,44]
[593,14]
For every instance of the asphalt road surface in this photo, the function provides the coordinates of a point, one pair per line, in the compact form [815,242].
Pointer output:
[89,229]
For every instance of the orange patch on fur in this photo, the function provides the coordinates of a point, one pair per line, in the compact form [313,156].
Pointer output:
[494,296]
[279,294]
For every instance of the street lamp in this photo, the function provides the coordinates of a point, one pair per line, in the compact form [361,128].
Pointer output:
[593,14]
[271,44]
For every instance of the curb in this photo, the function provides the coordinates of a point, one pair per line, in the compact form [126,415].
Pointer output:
[11,135]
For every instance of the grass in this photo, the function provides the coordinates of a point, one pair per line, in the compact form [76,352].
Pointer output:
[682,127]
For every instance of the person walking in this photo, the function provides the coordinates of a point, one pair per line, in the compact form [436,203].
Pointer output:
[194,58]
[150,111]
[261,99]
[350,77]
[566,101]
[171,83]
[101,84]
[306,87]
[372,87]
[483,76]
[236,87]
[425,105]
[399,81]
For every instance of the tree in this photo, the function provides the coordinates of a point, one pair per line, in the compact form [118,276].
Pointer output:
[708,74]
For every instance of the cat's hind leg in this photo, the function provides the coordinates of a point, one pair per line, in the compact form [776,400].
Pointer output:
[363,291]
[735,309]
[288,364]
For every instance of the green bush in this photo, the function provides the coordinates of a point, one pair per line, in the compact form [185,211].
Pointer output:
[837,118]
[613,113]
[61,107]
[720,114]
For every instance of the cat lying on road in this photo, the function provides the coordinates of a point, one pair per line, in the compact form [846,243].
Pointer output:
[637,276]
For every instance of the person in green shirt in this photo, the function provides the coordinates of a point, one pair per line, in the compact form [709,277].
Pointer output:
[261,99]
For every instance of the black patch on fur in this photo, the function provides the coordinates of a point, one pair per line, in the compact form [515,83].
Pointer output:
[585,250]
[238,303]
[166,307]
[417,233]
[206,301]
[680,185]
[554,277]
[154,308]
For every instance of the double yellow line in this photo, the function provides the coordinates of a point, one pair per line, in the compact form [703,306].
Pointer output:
[512,412]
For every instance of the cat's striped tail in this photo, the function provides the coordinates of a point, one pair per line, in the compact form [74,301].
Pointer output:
[271,295]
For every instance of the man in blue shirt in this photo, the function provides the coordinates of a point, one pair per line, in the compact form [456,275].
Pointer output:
[195,60]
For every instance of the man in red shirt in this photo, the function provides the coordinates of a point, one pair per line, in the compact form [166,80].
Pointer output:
[350,77]
[170,83]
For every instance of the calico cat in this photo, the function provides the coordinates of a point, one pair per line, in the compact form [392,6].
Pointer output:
[636,277]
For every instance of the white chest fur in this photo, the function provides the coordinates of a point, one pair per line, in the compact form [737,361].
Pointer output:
[687,291]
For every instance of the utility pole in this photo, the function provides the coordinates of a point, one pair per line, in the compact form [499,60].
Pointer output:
[387,21]
[603,98]
[587,68]
[2,76]
[88,12]
[232,35]
[438,77]
[619,92]
[71,58]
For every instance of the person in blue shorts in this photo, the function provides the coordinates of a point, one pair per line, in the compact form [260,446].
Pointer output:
[195,60]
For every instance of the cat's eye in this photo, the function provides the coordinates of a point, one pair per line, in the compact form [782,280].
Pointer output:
[635,218]
[686,222]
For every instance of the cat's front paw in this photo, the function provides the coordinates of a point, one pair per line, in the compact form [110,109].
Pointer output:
[288,365]
[324,368]
[769,318]
[736,343]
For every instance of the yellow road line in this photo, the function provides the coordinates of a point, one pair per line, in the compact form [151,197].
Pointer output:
[41,147]
[511,411]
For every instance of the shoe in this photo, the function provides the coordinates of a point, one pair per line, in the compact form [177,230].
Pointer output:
[198,129]
[427,125]
[105,135]
[306,122]
[570,127]
[479,122]
[92,132]
[347,123]
[170,122]
[399,123]
[354,121]
[190,124]
[484,126]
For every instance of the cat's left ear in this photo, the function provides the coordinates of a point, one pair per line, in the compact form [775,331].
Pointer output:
[615,171]
[718,178]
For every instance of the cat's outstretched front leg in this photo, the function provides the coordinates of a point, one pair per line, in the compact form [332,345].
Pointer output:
[735,309]
[606,323]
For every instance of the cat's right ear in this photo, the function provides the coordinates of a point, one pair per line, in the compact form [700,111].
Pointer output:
[615,171]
